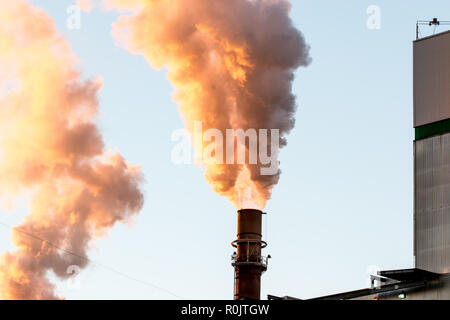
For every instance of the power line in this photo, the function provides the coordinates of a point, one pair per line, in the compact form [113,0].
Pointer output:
[90,261]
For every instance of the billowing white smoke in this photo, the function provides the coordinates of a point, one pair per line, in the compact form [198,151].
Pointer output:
[51,147]
[232,63]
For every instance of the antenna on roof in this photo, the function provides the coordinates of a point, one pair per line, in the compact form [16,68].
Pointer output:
[435,22]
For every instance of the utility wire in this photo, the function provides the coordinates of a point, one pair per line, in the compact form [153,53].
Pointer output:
[90,261]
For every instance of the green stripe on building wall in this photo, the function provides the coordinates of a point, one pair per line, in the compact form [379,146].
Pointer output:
[433,129]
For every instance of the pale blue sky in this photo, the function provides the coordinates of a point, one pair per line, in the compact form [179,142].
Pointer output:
[345,198]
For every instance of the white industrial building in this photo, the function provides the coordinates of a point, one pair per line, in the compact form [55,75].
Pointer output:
[430,279]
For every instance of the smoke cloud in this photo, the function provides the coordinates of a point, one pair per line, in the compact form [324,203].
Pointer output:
[232,63]
[86,5]
[51,148]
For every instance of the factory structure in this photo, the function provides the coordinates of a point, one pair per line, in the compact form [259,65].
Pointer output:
[247,260]
[430,277]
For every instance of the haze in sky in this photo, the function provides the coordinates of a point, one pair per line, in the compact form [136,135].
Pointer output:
[343,204]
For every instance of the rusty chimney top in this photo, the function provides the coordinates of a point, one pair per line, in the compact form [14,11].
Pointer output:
[248,262]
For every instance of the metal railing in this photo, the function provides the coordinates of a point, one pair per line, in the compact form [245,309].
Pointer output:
[261,261]
[435,22]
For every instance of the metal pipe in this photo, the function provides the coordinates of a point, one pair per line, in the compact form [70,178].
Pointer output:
[248,262]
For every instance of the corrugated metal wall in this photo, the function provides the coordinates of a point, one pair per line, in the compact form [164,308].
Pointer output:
[432,204]
[432,79]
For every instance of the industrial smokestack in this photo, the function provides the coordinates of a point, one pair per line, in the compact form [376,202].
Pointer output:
[247,261]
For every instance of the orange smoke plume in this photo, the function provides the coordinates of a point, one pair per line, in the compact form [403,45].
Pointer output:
[51,148]
[232,63]
[85,5]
